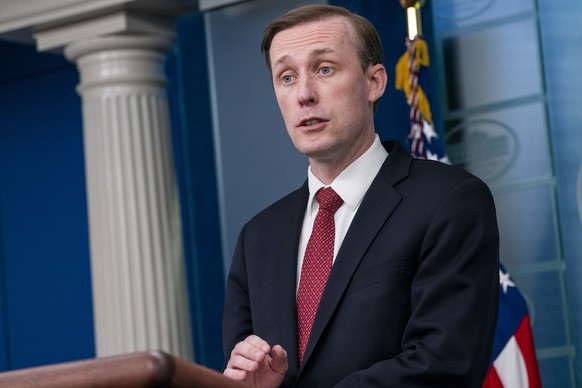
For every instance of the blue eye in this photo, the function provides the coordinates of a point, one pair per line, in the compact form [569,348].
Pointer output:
[325,70]
[287,79]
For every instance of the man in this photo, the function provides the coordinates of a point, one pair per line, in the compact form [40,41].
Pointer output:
[410,298]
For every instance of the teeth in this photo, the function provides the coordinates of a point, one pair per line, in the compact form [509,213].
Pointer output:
[312,122]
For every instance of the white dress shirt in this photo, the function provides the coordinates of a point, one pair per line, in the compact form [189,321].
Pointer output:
[351,185]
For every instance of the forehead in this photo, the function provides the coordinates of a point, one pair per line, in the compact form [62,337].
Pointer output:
[330,34]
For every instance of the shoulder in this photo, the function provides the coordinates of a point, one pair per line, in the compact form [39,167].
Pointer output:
[428,178]
[432,171]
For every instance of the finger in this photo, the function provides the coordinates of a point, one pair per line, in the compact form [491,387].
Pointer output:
[242,363]
[278,360]
[258,343]
[235,374]
[249,350]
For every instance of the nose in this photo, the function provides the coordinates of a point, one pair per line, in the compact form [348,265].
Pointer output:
[307,92]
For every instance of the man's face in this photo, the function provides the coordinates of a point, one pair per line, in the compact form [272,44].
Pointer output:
[324,95]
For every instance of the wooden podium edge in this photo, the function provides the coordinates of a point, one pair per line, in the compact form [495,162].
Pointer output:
[142,369]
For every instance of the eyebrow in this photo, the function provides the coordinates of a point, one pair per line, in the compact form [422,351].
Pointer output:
[322,51]
[316,53]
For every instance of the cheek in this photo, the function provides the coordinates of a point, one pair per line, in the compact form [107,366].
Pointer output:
[287,114]
[347,103]
[283,102]
[349,94]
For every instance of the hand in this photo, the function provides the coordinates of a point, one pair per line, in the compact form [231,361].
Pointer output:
[254,363]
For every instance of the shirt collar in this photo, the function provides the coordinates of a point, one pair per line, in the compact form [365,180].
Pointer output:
[353,182]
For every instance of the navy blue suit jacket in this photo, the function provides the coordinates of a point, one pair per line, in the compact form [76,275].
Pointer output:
[412,297]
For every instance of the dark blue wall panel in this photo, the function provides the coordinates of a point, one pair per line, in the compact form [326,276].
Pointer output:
[45,295]
[189,97]
[4,340]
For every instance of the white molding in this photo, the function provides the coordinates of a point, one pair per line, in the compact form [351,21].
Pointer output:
[207,5]
[18,18]
[123,21]
[18,14]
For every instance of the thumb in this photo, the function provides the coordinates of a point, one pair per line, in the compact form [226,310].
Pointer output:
[278,360]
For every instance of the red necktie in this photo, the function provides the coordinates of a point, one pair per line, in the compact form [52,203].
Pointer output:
[316,264]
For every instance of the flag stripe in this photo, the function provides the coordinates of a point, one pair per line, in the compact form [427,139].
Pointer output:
[524,339]
[510,366]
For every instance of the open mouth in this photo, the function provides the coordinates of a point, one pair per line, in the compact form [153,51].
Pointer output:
[310,122]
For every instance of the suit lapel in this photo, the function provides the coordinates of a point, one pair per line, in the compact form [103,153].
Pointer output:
[379,202]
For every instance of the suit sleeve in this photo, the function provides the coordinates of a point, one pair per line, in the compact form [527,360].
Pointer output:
[237,321]
[454,299]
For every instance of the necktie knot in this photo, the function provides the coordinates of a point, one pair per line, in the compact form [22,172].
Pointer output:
[328,199]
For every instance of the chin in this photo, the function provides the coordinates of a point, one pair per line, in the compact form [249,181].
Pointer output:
[318,153]
[312,147]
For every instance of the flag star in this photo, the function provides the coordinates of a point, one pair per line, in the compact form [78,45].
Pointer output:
[445,159]
[428,131]
[431,156]
[505,281]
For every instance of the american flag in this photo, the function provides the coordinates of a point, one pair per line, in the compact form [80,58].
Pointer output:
[514,361]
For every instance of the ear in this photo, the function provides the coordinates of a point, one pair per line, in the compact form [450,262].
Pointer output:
[377,80]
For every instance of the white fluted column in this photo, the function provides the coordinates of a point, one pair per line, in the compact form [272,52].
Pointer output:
[139,284]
